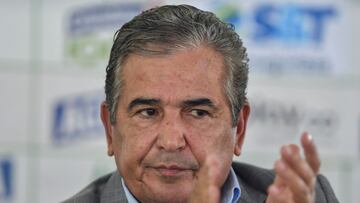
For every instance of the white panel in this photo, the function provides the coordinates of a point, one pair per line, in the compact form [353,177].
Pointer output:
[354,30]
[15,30]
[62,178]
[355,184]
[14,108]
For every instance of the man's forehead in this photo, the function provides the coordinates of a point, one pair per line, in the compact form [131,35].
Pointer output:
[191,74]
[204,54]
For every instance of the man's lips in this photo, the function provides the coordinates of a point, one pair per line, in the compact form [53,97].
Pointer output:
[170,170]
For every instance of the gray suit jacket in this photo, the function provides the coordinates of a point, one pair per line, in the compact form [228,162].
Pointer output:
[254,182]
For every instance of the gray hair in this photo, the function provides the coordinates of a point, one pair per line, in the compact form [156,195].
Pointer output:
[167,29]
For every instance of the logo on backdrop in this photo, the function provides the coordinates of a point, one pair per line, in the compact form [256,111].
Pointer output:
[283,119]
[289,37]
[6,179]
[290,23]
[77,118]
[305,38]
[89,31]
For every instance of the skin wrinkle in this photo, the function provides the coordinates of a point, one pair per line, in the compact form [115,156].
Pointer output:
[180,73]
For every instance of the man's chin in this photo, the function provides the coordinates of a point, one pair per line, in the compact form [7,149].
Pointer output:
[160,192]
[169,197]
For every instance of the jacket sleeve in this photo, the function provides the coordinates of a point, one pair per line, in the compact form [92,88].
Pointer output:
[324,192]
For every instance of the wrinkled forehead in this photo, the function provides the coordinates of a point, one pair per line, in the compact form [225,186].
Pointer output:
[202,57]
[199,68]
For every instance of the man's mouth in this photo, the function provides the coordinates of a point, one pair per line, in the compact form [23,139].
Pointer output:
[170,170]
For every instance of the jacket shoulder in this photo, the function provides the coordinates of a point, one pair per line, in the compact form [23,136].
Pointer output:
[253,176]
[324,191]
[92,192]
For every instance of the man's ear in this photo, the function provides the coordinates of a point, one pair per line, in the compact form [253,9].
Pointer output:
[105,118]
[241,128]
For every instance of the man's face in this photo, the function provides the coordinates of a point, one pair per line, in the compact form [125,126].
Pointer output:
[171,116]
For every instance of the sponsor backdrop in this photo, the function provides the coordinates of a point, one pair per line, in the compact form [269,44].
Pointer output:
[304,76]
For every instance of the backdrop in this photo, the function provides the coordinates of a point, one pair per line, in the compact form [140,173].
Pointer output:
[304,75]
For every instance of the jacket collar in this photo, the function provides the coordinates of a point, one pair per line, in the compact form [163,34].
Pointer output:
[253,181]
[113,191]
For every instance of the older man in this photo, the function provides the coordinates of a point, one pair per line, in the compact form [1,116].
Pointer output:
[176,113]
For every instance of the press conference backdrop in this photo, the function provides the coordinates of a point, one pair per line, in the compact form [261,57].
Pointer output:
[304,76]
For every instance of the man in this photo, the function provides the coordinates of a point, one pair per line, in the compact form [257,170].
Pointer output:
[176,112]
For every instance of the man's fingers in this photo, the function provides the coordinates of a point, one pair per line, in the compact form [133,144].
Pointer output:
[300,190]
[292,157]
[213,171]
[311,154]
[278,194]
[208,184]
[295,175]
[279,182]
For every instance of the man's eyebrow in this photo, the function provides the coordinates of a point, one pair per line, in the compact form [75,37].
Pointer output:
[143,101]
[198,102]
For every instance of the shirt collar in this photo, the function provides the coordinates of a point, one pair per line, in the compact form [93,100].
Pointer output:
[130,198]
[230,192]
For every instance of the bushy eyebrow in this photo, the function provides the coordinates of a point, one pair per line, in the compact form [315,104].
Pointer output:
[198,102]
[143,101]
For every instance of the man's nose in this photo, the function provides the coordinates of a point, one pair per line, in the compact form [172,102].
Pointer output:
[171,135]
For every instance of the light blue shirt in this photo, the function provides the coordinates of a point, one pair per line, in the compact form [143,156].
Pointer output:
[230,192]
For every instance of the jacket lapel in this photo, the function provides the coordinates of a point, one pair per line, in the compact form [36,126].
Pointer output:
[250,195]
[253,182]
[113,191]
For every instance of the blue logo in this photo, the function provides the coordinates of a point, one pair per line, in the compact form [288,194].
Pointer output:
[6,179]
[282,23]
[283,37]
[77,118]
[96,18]
[292,23]
[90,30]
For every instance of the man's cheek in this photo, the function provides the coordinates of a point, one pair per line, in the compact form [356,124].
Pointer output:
[138,138]
[203,144]
[216,137]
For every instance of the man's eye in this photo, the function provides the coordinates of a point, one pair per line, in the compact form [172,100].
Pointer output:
[148,112]
[199,113]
